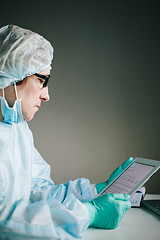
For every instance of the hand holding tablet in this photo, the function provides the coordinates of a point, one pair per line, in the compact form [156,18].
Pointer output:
[132,177]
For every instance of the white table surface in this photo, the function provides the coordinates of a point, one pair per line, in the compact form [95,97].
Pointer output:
[137,224]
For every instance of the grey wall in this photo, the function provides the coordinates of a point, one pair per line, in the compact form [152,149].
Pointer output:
[104,89]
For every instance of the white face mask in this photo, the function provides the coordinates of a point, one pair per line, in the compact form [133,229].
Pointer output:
[11,114]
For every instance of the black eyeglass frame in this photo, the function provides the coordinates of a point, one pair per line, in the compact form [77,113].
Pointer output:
[46,78]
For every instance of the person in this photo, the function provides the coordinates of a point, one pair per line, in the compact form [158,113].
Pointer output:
[31,205]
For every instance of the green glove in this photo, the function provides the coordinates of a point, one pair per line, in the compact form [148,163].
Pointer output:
[101,186]
[107,210]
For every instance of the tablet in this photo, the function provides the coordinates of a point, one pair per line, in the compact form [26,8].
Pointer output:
[133,177]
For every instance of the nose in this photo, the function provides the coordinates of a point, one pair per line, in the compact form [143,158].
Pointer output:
[45,95]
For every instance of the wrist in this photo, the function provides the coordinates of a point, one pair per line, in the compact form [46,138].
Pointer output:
[91,211]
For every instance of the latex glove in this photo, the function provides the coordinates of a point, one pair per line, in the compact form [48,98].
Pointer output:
[101,186]
[107,211]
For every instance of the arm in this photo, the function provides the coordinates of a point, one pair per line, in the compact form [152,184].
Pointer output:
[45,218]
[44,188]
[28,208]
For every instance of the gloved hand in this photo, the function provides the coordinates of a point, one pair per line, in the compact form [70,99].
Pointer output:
[101,186]
[107,210]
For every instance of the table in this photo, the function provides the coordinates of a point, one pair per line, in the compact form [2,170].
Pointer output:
[137,224]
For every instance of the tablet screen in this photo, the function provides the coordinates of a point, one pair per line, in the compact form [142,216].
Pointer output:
[129,179]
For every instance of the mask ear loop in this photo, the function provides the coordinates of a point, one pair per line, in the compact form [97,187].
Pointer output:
[15,87]
[19,110]
[3,92]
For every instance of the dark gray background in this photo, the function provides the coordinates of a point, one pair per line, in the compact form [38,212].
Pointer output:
[104,88]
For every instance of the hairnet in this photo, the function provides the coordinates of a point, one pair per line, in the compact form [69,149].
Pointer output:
[22,53]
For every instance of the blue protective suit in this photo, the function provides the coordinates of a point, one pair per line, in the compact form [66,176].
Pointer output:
[31,205]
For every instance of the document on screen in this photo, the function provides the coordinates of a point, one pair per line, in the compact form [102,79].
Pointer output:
[129,179]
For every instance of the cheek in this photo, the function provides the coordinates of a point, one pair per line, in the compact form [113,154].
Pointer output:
[26,103]
[28,109]
[28,89]
[29,95]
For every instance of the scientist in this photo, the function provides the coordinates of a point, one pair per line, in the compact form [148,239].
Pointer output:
[31,205]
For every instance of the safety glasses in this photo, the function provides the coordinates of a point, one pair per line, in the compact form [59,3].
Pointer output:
[46,78]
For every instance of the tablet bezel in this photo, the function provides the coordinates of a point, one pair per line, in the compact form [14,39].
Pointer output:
[154,163]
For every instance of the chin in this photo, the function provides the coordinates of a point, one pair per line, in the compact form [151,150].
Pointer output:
[28,117]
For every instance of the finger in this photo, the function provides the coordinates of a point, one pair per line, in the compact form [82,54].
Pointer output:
[126,205]
[122,205]
[120,196]
[127,162]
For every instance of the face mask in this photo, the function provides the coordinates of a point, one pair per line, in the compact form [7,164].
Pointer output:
[11,114]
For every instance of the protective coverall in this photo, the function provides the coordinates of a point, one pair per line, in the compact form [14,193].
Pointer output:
[30,203]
